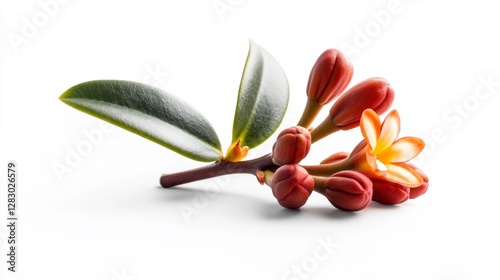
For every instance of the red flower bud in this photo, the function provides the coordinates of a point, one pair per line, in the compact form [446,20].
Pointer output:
[420,190]
[374,93]
[345,114]
[335,158]
[349,190]
[390,193]
[291,146]
[292,186]
[329,76]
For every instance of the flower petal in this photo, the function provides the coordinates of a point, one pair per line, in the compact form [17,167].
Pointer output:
[388,132]
[370,127]
[403,174]
[404,149]
[371,166]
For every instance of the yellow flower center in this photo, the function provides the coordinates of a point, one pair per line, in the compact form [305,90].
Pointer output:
[380,165]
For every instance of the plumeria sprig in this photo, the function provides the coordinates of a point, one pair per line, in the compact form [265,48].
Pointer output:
[382,158]
[377,169]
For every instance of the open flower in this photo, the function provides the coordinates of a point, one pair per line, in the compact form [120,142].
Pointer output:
[381,155]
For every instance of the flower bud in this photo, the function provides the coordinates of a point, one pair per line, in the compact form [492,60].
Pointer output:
[420,190]
[291,146]
[335,158]
[348,190]
[329,76]
[374,93]
[389,193]
[345,114]
[292,186]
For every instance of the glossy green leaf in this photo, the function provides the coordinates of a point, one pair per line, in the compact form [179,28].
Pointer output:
[262,98]
[149,112]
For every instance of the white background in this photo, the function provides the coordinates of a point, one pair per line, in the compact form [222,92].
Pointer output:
[107,218]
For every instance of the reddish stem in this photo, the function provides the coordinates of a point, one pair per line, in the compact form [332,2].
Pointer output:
[218,168]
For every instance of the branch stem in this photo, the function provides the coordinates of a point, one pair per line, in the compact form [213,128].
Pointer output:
[219,168]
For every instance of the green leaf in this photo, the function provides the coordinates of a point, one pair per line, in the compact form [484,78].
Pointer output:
[262,98]
[149,112]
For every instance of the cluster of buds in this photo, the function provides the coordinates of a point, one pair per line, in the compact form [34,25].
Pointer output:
[377,169]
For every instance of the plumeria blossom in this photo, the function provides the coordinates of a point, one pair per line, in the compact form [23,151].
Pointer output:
[382,155]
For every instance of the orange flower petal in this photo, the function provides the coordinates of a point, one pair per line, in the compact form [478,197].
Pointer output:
[372,167]
[403,174]
[404,149]
[370,127]
[388,133]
